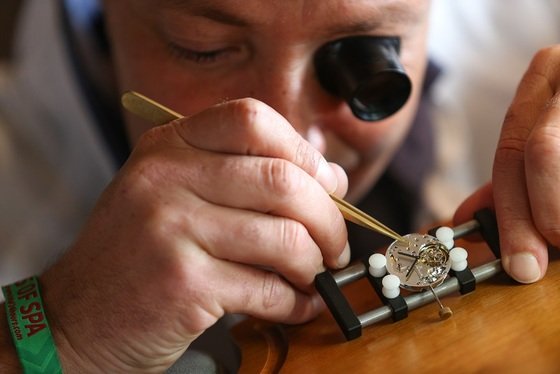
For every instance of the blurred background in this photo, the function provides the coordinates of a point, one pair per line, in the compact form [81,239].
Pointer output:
[9,10]
[483,48]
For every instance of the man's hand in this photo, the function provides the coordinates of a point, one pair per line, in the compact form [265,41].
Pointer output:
[225,212]
[526,174]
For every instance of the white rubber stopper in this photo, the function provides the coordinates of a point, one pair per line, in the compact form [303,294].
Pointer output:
[445,235]
[449,244]
[391,287]
[377,265]
[458,257]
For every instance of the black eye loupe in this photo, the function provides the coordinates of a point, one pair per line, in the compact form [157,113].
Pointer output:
[366,72]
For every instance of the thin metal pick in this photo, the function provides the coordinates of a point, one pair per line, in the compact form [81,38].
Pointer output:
[158,114]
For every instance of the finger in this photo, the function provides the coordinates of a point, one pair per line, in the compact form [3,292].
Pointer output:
[227,287]
[480,199]
[266,295]
[234,126]
[542,166]
[267,185]
[342,185]
[524,249]
[259,239]
[250,127]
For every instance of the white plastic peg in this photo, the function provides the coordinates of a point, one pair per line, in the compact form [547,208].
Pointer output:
[445,235]
[391,285]
[458,257]
[377,265]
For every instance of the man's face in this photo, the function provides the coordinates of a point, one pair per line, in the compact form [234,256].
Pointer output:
[191,54]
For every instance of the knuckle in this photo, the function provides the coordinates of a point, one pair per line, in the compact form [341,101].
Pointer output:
[148,139]
[154,136]
[134,184]
[299,259]
[251,230]
[248,107]
[510,219]
[145,174]
[249,119]
[187,279]
[167,221]
[293,237]
[251,113]
[509,150]
[156,171]
[150,167]
[307,157]
[543,147]
[281,177]
[187,271]
[271,291]
[512,142]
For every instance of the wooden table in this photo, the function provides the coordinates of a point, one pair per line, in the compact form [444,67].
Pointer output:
[502,327]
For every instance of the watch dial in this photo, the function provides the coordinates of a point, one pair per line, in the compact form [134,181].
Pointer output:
[420,261]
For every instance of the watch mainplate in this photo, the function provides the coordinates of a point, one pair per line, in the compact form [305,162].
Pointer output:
[420,261]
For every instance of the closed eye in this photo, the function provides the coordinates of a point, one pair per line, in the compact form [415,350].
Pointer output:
[201,57]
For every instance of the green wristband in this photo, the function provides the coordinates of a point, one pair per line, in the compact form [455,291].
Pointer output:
[29,327]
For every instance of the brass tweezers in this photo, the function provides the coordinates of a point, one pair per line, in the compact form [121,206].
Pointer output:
[158,114]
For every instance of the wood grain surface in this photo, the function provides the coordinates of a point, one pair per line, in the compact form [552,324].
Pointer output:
[502,327]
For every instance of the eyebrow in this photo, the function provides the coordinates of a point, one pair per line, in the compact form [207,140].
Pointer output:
[395,14]
[208,11]
[355,27]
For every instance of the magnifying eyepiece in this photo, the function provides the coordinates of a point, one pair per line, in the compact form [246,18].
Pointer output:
[366,72]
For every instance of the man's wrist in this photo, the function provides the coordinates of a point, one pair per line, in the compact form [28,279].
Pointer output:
[9,362]
[71,360]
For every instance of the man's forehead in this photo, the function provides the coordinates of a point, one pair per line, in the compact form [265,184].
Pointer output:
[362,13]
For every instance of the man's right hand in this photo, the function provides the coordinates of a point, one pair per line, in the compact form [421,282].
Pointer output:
[227,211]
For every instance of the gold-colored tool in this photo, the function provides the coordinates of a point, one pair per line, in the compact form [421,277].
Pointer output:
[158,114]
[148,109]
[357,216]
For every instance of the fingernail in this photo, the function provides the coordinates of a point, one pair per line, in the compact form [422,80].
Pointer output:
[326,176]
[523,267]
[344,258]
